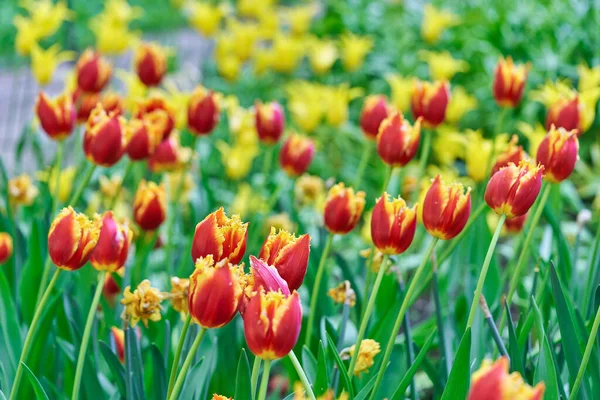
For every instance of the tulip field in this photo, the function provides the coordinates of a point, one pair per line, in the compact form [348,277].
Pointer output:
[357,200]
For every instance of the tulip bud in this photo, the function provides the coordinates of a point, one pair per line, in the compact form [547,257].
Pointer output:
[104,141]
[509,81]
[566,114]
[270,122]
[203,111]
[150,63]
[375,110]
[492,381]
[145,135]
[92,71]
[397,141]
[515,225]
[111,250]
[296,154]
[288,254]
[446,209]
[6,247]
[265,277]
[151,105]
[429,100]
[168,156]
[216,291]
[513,154]
[272,323]
[57,116]
[393,225]
[513,189]
[221,237]
[118,336]
[85,104]
[149,205]
[343,209]
[71,239]
[558,153]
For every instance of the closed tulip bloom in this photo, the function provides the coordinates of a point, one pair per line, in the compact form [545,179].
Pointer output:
[429,101]
[57,116]
[85,104]
[71,239]
[375,110]
[509,81]
[105,138]
[113,244]
[221,237]
[446,209]
[343,209]
[393,225]
[398,141]
[515,225]
[567,114]
[513,154]
[513,189]
[150,63]
[216,291]
[6,247]
[203,111]
[93,72]
[558,153]
[270,122]
[168,156]
[272,323]
[144,136]
[493,382]
[149,205]
[288,254]
[153,104]
[296,154]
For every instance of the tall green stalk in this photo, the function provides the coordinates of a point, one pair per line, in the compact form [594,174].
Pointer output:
[255,373]
[177,356]
[128,170]
[425,149]
[586,356]
[364,161]
[264,382]
[302,375]
[86,179]
[186,364]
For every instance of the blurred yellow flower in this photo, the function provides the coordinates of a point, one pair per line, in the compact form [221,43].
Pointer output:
[119,12]
[110,186]
[300,17]
[143,304]
[478,153]
[377,260]
[180,288]
[44,62]
[460,103]
[205,17]
[281,222]
[244,36]
[263,59]
[343,293]
[322,54]
[354,49]
[178,101]
[21,190]
[112,39]
[174,183]
[551,92]
[253,8]
[534,134]
[228,64]
[589,98]
[65,177]
[401,90]
[287,52]
[441,64]
[336,99]
[435,22]
[246,201]
[268,25]
[46,16]
[365,231]
[309,190]
[135,90]
[27,35]
[589,78]
[304,104]
[236,159]
[448,145]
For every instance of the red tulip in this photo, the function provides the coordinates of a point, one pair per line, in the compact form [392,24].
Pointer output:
[509,81]
[397,141]
[57,116]
[270,122]
[221,237]
[343,209]
[113,244]
[149,205]
[393,225]
[203,112]
[558,153]
[296,154]
[375,110]
[429,101]
[446,209]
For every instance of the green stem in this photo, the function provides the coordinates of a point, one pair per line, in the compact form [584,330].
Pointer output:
[456,241]
[128,170]
[315,293]
[177,357]
[45,273]
[264,382]
[302,375]
[586,356]
[364,161]
[186,364]
[57,168]
[86,179]
[255,373]
[594,269]
[484,270]
[386,182]
[447,362]
[145,249]
[426,135]
[86,335]
[31,333]
[405,304]
[267,161]
[365,319]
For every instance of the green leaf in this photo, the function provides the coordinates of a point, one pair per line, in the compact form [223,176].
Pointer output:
[243,385]
[118,372]
[545,370]
[10,336]
[133,365]
[193,376]
[514,351]
[401,389]
[40,393]
[460,375]
[309,363]
[322,381]
[159,376]
[340,364]
[364,392]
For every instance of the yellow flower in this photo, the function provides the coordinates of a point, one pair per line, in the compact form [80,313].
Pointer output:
[460,103]
[449,144]
[119,12]
[322,55]
[304,104]
[478,152]
[435,22]
[46,16]
[343,293]
[228,64]
[65,177]
[205,17]
[589,78]
[253,8]
[441,65]
[589,98]
[300,17]
[268,25]
[27,35]
[354,49]
[281,222]
[174,183]
[246,202]
[21,190]
[237,160]
[244,36]
[328,395]
[179,295]
[178,101]
[377,259]
[143,304]
[336,103]
[366,353]
[310,190]
[551,92]
[262,60]
[534,134]
[287,53]
[44,62]
[401,90]
[112,38]
[135,89]
[365,231]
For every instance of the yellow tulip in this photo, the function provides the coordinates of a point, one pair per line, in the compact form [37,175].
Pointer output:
[354,49]
[205,18]
[534,134]
[174,183]
[478,152]
[253,8]
[449,145]
[21,190]
[262,60]
[246,201]
[112,38]
[281,222]
[551,92]
[589,78]
[46,16]
[134,88]
[304,105]
[435,22]
[401,90]
[287,53]
[300,17]
[178,101]
[322,55]
[27,35]
[237,160]
[336,103]
[44,62]
[244,36]
[441,65]
[268,25]
[589,98]
[65,177]
[119,12]
[460,103]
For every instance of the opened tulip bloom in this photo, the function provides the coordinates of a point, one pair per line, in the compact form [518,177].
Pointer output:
[92,71]
[296,154]
[6,247]
[150,63]
[558,153]
[105,137]
[375,110]
[113,244]
[446,209]
[203,111]
[269,121]
[57,116]
[509,82]
[343,208]
[393,225]
[429,101]
[398,141]
[149,205]
[493,382]
[220,237]
[153,104]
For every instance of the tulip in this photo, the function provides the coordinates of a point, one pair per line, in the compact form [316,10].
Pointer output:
[513,154]
[567,114]
[112,103]
[71,239]
[150,63]
[435,22]
[272,323]
[558,153]
[393,225]
[105,138]
[220,237]
[492,381]
[85,104]
[266,277]
[118,336]
[429,101]
[151,105]
[354,49]
[296,154]
[515,225]
[6,247]
[145,136]
[203,111]
[113,244]
[375,110]
[397,141]
[149,205]
[513,189]
[216,291]
[343,209]
[57,116]
[93,72]
[509,81]
[168,156]
[446,209]
[288,254]
[269,121]
[21,190]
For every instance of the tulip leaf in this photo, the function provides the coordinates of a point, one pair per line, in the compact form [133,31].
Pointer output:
[340,364]
[9,328]
[243,385]
[545,369]
[32,271]
[309,363]
[514,351]
[159,375]
[322,381]
[192,379]
[40,393]
[133,365]
[364,392]
[408,376]
[2,396]
[118,372]
[460,374]
[565,263]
